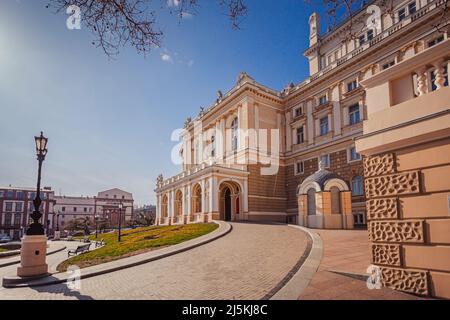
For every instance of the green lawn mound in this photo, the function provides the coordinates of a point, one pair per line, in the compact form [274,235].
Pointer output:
[137,241]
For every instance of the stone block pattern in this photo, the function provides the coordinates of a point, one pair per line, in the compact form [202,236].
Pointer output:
[379,165]
[379,209]
[387,254]
[397,231]
[411,281]
[392,185]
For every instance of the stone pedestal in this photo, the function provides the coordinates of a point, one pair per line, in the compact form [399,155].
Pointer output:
[32,256]
[57,235]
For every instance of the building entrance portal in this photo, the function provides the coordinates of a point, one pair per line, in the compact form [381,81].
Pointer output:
[230,198]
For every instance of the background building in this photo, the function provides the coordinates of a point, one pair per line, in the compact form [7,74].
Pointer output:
[16,205]
[105,206]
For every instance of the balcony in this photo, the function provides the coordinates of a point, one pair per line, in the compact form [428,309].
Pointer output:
[198,171]
[408,102]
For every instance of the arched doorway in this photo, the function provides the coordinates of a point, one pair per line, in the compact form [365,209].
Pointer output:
[178,205]
[196,202]
[229,201]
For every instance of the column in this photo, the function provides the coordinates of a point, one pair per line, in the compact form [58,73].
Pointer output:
[245,200]
[171,206]
[213,198]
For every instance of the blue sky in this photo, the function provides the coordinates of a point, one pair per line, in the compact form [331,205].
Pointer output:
[109,122]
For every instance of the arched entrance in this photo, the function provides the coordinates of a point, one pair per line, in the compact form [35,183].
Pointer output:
[178,206]
[196,202]
[229,201]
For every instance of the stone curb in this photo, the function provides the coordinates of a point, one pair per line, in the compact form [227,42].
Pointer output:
[300,280]
[17,261]
[61,277]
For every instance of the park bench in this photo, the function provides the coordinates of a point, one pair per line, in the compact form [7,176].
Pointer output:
[80,249]
[99,243]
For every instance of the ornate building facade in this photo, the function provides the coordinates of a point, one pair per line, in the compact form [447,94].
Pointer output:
[255,153]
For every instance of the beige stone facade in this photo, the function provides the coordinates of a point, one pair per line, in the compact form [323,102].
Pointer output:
[407,171]
[247,156]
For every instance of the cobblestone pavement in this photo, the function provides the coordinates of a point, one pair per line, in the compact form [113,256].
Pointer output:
[245,264]
[347,251]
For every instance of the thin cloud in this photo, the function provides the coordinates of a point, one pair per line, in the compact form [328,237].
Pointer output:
[173,3]
[166,58]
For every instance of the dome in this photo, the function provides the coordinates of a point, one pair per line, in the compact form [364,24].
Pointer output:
[321,177]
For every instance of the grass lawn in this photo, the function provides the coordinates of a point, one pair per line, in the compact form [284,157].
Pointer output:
[137,241]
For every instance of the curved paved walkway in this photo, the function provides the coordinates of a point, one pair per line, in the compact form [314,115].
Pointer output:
[248,263]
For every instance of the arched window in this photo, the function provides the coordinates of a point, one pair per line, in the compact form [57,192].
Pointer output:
[357,186]
[335,200]
[234,134]
[311,194]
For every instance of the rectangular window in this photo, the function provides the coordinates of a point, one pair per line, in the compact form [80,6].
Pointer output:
[74,209]
[299,167]
[436,41]
[17,219]
[322,100]
[8,206]
[31,195]
[9,194]
[8,217]
[324,126]
[354,156]
[1,193]
[85,209]
[300,135]
[388,65]
[297,112]
[362,39]
[369,35]
[325,159]
[352,85]
[412,7]
[63,209]
[401,14]
[19,206]
[19,195]
[353,114]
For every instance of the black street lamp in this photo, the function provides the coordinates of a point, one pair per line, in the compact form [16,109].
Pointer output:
[120,220]
[96,217]
[36,228]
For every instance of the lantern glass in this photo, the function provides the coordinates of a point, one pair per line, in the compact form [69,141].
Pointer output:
[41,144]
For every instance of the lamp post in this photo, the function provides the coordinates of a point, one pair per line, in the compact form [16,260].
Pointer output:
[34,243]
[36,227]
[120,220]
[96,217]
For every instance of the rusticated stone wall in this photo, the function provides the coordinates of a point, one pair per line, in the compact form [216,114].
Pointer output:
[408,217]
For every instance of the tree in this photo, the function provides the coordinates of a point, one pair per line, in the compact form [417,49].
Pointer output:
[79,224]
[116,23]
[143,219]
